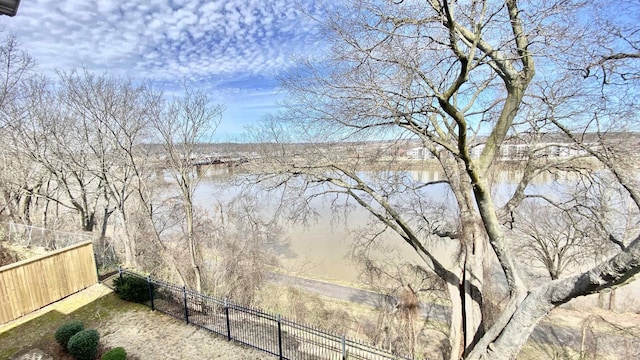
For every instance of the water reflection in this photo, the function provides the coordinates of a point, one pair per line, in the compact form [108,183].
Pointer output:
[504,176]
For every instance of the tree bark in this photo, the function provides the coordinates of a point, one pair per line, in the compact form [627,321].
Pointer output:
[191,238]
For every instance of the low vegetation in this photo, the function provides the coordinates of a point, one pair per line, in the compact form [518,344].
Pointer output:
[67,331]
[117,353]
[48,331]
[7,255]
[84,344]
[132,288]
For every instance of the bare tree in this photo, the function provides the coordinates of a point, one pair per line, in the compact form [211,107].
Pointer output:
[49,136]
[188,122]
[460,79]
[242,248]
[557,240]
[115,120]
[19,182]
[409,299]
[17,67]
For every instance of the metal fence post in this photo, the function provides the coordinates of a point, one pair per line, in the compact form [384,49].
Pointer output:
[226,313]
[186,309]
[150,291]
[279,337]
[344,348]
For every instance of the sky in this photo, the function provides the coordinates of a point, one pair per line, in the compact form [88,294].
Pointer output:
[232,49]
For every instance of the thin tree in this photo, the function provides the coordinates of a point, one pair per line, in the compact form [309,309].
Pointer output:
[187,123]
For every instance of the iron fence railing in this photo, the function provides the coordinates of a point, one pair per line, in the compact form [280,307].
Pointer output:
[271,333]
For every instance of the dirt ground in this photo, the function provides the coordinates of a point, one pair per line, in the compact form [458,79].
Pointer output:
[150,335]
[142,333]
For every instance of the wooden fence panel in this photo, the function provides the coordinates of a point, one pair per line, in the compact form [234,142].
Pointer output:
[30,284]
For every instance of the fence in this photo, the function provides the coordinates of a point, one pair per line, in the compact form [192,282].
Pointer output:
[29,236]
[33,283]
[273,334]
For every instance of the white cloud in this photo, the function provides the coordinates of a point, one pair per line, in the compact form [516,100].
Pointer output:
[162,39]
[230,48]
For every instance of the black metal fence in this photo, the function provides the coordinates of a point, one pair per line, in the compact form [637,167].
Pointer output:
[273,334]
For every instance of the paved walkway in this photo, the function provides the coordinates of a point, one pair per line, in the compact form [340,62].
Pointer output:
[355,295]
[66,305]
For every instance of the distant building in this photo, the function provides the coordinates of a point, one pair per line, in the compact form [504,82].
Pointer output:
[476,150]
[517,149]
[419,153]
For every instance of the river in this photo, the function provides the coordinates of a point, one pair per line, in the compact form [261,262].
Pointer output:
[321,248]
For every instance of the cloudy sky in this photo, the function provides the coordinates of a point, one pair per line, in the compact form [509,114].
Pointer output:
[233,49]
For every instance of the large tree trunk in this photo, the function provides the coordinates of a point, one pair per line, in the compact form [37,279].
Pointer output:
[25,208]
[456,331]
[505,339]
[105,222]
[88,220]
[472,238]
[516,332]
[473,285]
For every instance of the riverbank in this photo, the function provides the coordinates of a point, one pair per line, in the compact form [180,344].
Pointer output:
[564,333]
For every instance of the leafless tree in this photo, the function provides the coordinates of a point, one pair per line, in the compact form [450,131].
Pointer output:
[461,79]
[187,122]
[242,248]
[17,67]
[409,299]
[557,240]
[18,186]
[115,118]
[48,135]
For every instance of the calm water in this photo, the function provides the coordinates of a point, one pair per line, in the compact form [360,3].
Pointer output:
[321,249]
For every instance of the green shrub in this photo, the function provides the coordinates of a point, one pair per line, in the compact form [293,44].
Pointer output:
[115,354]
[84,345]
[132,288]
[66,331]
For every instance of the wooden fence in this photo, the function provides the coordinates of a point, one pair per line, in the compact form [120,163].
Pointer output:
[30,284]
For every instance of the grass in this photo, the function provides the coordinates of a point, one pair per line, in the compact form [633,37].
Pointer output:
[533,351]
[39,332]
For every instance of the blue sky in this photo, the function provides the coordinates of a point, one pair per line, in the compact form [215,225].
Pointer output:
[233,49]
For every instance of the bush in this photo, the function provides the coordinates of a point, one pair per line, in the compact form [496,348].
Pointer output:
[132,288]
[115,354]
[66,331]
[84,344]
[7,256]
